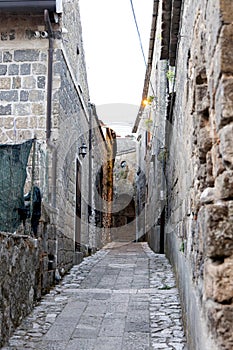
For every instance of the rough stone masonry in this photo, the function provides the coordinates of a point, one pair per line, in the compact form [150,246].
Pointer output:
[200,173]
[187,157]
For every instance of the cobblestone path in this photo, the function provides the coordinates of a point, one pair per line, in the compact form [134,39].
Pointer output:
[122,298]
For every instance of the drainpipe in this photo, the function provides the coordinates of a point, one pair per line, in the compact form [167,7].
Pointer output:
[51,144]
[90,202]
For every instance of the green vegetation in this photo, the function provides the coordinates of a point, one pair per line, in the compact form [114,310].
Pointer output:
[170,75]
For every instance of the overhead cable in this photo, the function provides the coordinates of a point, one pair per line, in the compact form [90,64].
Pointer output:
[139,36]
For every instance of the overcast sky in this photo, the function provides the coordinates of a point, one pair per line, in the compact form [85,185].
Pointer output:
[115,64]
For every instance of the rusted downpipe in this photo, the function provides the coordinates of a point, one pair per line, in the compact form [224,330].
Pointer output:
[50,144]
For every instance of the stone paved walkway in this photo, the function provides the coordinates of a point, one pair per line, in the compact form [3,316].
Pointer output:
[122,298]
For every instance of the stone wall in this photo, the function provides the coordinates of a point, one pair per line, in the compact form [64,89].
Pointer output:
[24,66]
[124,194]
[107,194]
[194,123]
[199,174]
[73,131]
[25,273]
[23,70]
[98,186]
[200,204]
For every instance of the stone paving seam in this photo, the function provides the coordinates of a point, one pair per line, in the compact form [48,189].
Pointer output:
[38,323]
[145,299]
[165,309]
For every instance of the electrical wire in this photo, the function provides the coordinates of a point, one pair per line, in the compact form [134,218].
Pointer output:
[139,35]
[140,41]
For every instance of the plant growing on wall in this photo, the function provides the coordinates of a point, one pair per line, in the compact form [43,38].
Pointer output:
[148,123]
[182,247]
[148,101]
[162,154]
[170,75]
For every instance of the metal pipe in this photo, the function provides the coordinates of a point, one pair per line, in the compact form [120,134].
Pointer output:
[90,204]
[50,144]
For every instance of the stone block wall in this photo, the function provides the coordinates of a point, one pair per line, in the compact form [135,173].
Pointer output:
[199,230]
[73,131]
[193,123]
[23,114]
[18,264]
[23,70]
[124,195]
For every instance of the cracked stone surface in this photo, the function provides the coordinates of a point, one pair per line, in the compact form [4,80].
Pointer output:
[122,298]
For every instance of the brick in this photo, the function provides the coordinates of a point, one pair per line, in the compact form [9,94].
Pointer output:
[3,69]
[224,102]
[36,95]
[5,83]
[224,185]
[217,162]
[28,82]
[33,122]
[226,145]
[225,41]
[22,122]
[41,121]
[39,68]
[218,280]
[202,98]
[5,110]
[7,56]
[3,137]
[16,83]
[41,82]
[25,69]
[220,318]
[43,57]
[13,69]
[24,95]
[28,55]
[22,109]
[216,230]
[25,134]
[11,135]
[9,96]
[9,123]
[204,142]
[38,108]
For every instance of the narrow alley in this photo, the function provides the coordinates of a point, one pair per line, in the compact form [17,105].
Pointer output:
[122,297]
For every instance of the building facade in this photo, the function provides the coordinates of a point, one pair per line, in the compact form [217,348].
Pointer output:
[185,137]
[51,140]
[124,193]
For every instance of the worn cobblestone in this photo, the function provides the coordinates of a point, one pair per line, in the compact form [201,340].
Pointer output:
[123,297]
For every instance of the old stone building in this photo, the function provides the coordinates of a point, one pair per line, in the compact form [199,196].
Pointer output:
[123,211]
[185,134]
[47,126]
[103,187]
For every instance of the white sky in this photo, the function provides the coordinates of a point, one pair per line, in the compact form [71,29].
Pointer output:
[115,64]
